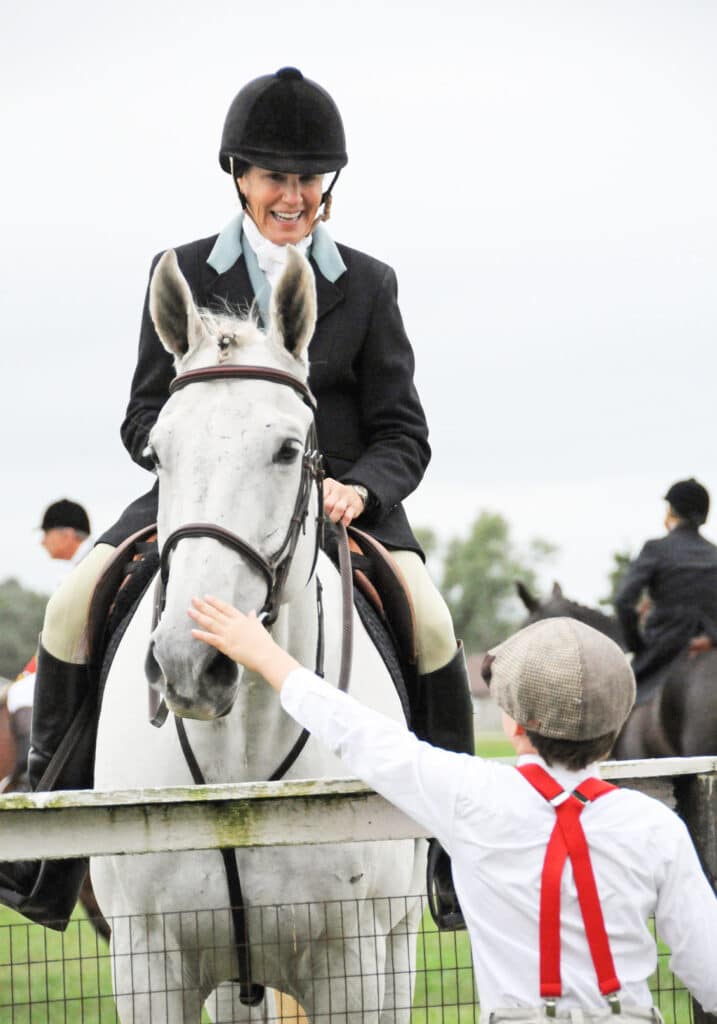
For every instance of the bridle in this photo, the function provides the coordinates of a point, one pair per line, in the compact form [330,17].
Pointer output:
[274,568]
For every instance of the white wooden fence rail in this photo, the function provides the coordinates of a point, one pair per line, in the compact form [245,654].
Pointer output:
[70,824]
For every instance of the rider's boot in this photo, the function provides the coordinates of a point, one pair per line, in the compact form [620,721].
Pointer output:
[445,719]
[20,724]
[61,757]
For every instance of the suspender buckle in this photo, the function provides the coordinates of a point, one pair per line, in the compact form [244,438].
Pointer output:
[614,1001]
[550,1007]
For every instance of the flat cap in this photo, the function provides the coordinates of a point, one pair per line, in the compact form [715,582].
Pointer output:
[563,679]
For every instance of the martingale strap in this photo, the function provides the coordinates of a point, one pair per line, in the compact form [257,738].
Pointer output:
[568,840]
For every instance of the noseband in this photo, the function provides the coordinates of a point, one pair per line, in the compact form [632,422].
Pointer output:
[274,568]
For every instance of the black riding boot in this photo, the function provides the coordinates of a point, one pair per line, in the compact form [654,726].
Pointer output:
[20,724]
[445,719]
[61,757]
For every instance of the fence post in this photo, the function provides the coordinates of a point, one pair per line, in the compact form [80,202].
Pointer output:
[697,806]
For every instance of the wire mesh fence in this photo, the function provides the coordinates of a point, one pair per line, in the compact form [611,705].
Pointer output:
[62,978]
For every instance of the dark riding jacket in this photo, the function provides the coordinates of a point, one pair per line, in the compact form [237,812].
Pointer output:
[371,425]
[679,573]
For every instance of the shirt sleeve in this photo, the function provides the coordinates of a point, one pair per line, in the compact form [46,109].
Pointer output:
[686,919]
[421,780]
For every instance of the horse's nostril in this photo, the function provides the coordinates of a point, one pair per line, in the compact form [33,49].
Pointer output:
[151,666]
[222,670]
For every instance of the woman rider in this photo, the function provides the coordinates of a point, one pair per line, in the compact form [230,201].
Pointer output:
[282,134]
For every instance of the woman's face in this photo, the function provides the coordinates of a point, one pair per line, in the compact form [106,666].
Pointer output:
[283,206]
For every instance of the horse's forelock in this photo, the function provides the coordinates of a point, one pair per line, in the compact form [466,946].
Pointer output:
[234,331]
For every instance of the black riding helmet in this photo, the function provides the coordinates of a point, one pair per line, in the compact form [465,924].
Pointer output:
[284,122]
[690,500]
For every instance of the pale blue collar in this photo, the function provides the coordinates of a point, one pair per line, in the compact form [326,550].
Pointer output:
[228,248]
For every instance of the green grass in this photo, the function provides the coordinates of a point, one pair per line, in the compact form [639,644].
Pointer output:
[494,744]
[48,977]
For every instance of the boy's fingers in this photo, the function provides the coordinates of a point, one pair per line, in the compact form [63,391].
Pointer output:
[223,607]
[208,638]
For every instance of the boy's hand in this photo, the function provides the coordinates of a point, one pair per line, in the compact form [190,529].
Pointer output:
[241,637]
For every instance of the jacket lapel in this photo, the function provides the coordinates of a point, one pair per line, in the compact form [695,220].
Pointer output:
[328,295]
[233,286]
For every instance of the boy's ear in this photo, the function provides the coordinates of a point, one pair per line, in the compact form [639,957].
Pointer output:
[511,727]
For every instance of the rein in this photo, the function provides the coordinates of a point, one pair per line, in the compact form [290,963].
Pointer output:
[275,570]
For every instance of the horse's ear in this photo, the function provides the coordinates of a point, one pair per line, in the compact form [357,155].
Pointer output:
[172,308]
[557,589]
[531,603]
[293,304]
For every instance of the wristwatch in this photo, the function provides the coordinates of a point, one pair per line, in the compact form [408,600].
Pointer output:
[363,494]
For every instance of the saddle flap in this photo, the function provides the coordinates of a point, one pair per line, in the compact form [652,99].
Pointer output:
[384,585]
[113,578]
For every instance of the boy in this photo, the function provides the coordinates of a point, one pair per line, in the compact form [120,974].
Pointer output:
[565,691]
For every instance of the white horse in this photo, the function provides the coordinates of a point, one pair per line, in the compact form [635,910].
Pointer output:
[230,451]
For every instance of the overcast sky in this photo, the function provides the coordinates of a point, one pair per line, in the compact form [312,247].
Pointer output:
[540,174]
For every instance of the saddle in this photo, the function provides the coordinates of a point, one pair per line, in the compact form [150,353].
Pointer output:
[122,583]
[375,574]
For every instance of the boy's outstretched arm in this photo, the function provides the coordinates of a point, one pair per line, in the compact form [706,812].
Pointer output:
[242,638]
[422,780]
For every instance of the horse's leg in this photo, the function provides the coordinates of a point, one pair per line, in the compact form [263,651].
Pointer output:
[400,968]
[154,979]
[344,980]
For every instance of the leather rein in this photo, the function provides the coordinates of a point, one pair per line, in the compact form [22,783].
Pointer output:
[275,570]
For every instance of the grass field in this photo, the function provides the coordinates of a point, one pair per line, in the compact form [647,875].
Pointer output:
[51,978]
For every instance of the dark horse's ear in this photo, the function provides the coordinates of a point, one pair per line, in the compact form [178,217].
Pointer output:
[557,589]
[172,308]
[293,304]
[530,602]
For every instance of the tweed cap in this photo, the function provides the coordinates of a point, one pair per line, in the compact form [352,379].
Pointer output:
[563,679]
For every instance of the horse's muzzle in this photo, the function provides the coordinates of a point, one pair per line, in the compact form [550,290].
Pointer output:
[212,692]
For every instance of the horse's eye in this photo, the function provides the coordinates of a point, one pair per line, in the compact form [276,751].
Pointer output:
[288,453]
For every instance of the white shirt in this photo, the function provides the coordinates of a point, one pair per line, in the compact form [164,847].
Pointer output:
[82,551]
[496,828]
[270,256]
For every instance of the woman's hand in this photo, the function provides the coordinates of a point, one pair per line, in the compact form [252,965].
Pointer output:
[242,638]
[342,504]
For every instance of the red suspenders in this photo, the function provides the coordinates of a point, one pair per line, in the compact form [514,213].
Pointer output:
[568,840]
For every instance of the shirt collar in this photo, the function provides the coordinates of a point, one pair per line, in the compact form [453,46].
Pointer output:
[228,248]
[565,777]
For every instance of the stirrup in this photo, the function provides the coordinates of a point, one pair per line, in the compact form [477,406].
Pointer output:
[442,899]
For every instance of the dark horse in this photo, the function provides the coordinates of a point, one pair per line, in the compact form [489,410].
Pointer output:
[679,719]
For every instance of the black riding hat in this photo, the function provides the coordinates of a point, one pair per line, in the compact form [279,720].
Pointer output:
[690,500]
[65,514]
[284,122]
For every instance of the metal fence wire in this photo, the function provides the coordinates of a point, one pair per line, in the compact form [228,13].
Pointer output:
[52,978]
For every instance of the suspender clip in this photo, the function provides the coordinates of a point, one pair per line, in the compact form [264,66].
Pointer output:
[550,1007]
[614,1001]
